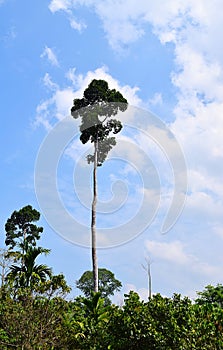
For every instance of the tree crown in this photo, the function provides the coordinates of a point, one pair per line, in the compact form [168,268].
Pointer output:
[107,283]
[95,109]
[20,228]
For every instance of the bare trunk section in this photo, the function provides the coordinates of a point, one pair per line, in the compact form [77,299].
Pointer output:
[150,282]
[93,219]
[147,268]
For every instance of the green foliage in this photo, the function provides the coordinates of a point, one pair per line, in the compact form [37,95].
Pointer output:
[164,324]
[159,324]
[55,286]
[32,323]
[95,109]
[107,283]
[34,314]
[23,273]
[29,273]
[32,304]
[20,228]
[88,323]
[21,238]
[211,294]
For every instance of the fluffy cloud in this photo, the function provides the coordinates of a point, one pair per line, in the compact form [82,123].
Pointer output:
[125,24]
[57,5]
[156,99]
[81,81]
[175,252]
[142,292]
[65,5]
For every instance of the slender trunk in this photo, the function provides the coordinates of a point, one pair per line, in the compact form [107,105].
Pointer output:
[3,276]
[147,268]
[150,281]
[3,268]
[23,248]
[93,219]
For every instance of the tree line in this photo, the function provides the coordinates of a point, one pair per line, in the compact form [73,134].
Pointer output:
[35,312]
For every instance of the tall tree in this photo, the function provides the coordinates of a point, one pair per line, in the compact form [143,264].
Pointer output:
[95,109]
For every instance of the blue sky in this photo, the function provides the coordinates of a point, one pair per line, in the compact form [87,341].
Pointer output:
[166,59]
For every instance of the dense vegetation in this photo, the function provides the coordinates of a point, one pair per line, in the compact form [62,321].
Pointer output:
[36,314]
[39,321]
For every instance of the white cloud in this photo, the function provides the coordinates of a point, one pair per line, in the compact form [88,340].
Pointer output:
[81,82]
[198,77]
[50,55]
[142,292]
[156,99]
[79,26]
[126,24]
[57,5]
[62,100]
[47,81]
[118,298]
[54,108]
[43,115]
[173,251]
[65,5]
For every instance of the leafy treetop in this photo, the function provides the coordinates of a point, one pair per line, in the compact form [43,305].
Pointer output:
[107,283]
[211,295]
[95,109]
[20,228]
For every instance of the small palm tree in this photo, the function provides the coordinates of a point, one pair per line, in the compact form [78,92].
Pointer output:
[29,273]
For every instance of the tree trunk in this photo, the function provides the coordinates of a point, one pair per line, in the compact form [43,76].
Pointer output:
[147,268]
[93,219]
[150,281]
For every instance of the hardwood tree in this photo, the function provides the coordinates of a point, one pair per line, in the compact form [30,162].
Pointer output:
[21,230]
[96,109]
[107,284]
